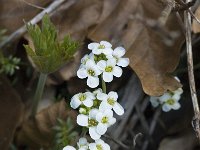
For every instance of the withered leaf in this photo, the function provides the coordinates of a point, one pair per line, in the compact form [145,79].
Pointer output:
[150,57]
[196,25]
[38,132]
[11,109]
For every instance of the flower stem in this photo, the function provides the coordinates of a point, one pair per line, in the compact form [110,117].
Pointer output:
[38,93]
[103,85]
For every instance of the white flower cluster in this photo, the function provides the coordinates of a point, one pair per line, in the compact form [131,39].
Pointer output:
[83,144]
[96,108]
[170,100]
[103,60]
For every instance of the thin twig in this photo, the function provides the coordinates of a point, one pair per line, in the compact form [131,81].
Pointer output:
[116,141]
[33,5]
[18,33]
[194,17]
[196,119]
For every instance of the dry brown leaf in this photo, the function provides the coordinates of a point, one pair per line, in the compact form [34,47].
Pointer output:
[11,109]
[13,12]
[150,57]
[196,25]
[38,132]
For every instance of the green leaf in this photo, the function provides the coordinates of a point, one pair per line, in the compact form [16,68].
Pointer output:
[48,53]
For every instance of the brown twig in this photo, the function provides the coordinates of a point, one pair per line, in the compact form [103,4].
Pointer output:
[33,5]
[196,119]
[18,33]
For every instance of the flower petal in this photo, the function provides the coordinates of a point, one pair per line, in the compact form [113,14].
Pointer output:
[92,146]
[106,44]
[99,116]
[123,62]
[101,128]
[102,96]
[111,62]
[97,51]
[69,148]
[82,73]
[119,52]
[93,113]
[112,121]
[93,82]
[107,51]
[90,63]
[108,113]
[117,71]
[82,120]
[166,108]
[88,102]
[93,133]
[154,101]
[75,103]
[118,109]
[106,146]
[113,95]
[176,106]
[101,65]
[92,46]
[164,97]
[107,76]
[104,106]
[82,141]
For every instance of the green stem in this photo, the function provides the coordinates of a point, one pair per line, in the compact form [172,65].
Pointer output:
[38,93]
[103,85]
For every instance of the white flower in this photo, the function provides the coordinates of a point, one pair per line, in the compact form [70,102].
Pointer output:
[82,144]
[109,69]
[105,120]
[154,101]
[90,122]
[69,148]
[99,90]
[85,99]
[99,145]
[102,47]
[110,102]
[117,54]
[91,71]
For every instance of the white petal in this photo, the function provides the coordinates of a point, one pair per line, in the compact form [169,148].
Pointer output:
[101,128]
[104,106]
[112,121]
[93,82]
[82,141]
[92,146]
[82,120]
[69,148]
[90,63]
[92,46]
[111,62]
[113,95]
[176,106]
[118,109]
[123,62]
[90,95]
[82,73]
[93,113]
[154,101]
[99,116]
[107,76]
[107,51]
[119,52]
[97,51]
[164,97]
[75,103]
[108,113]
[106,44]
[117,71]
[102,96]
[97,70]
[176,97]
[93,133]
[106,146]
[166,108]
[101,65]
[88,102]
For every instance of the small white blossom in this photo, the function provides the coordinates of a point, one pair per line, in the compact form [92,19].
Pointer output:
[69,148]
[110,102]
[99,145]
[85,99]
[83,144]
[99,90]
[109,69]
[105,119]
[91,71]
[118,53]
[102,47]
[154,101]
[90,122]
